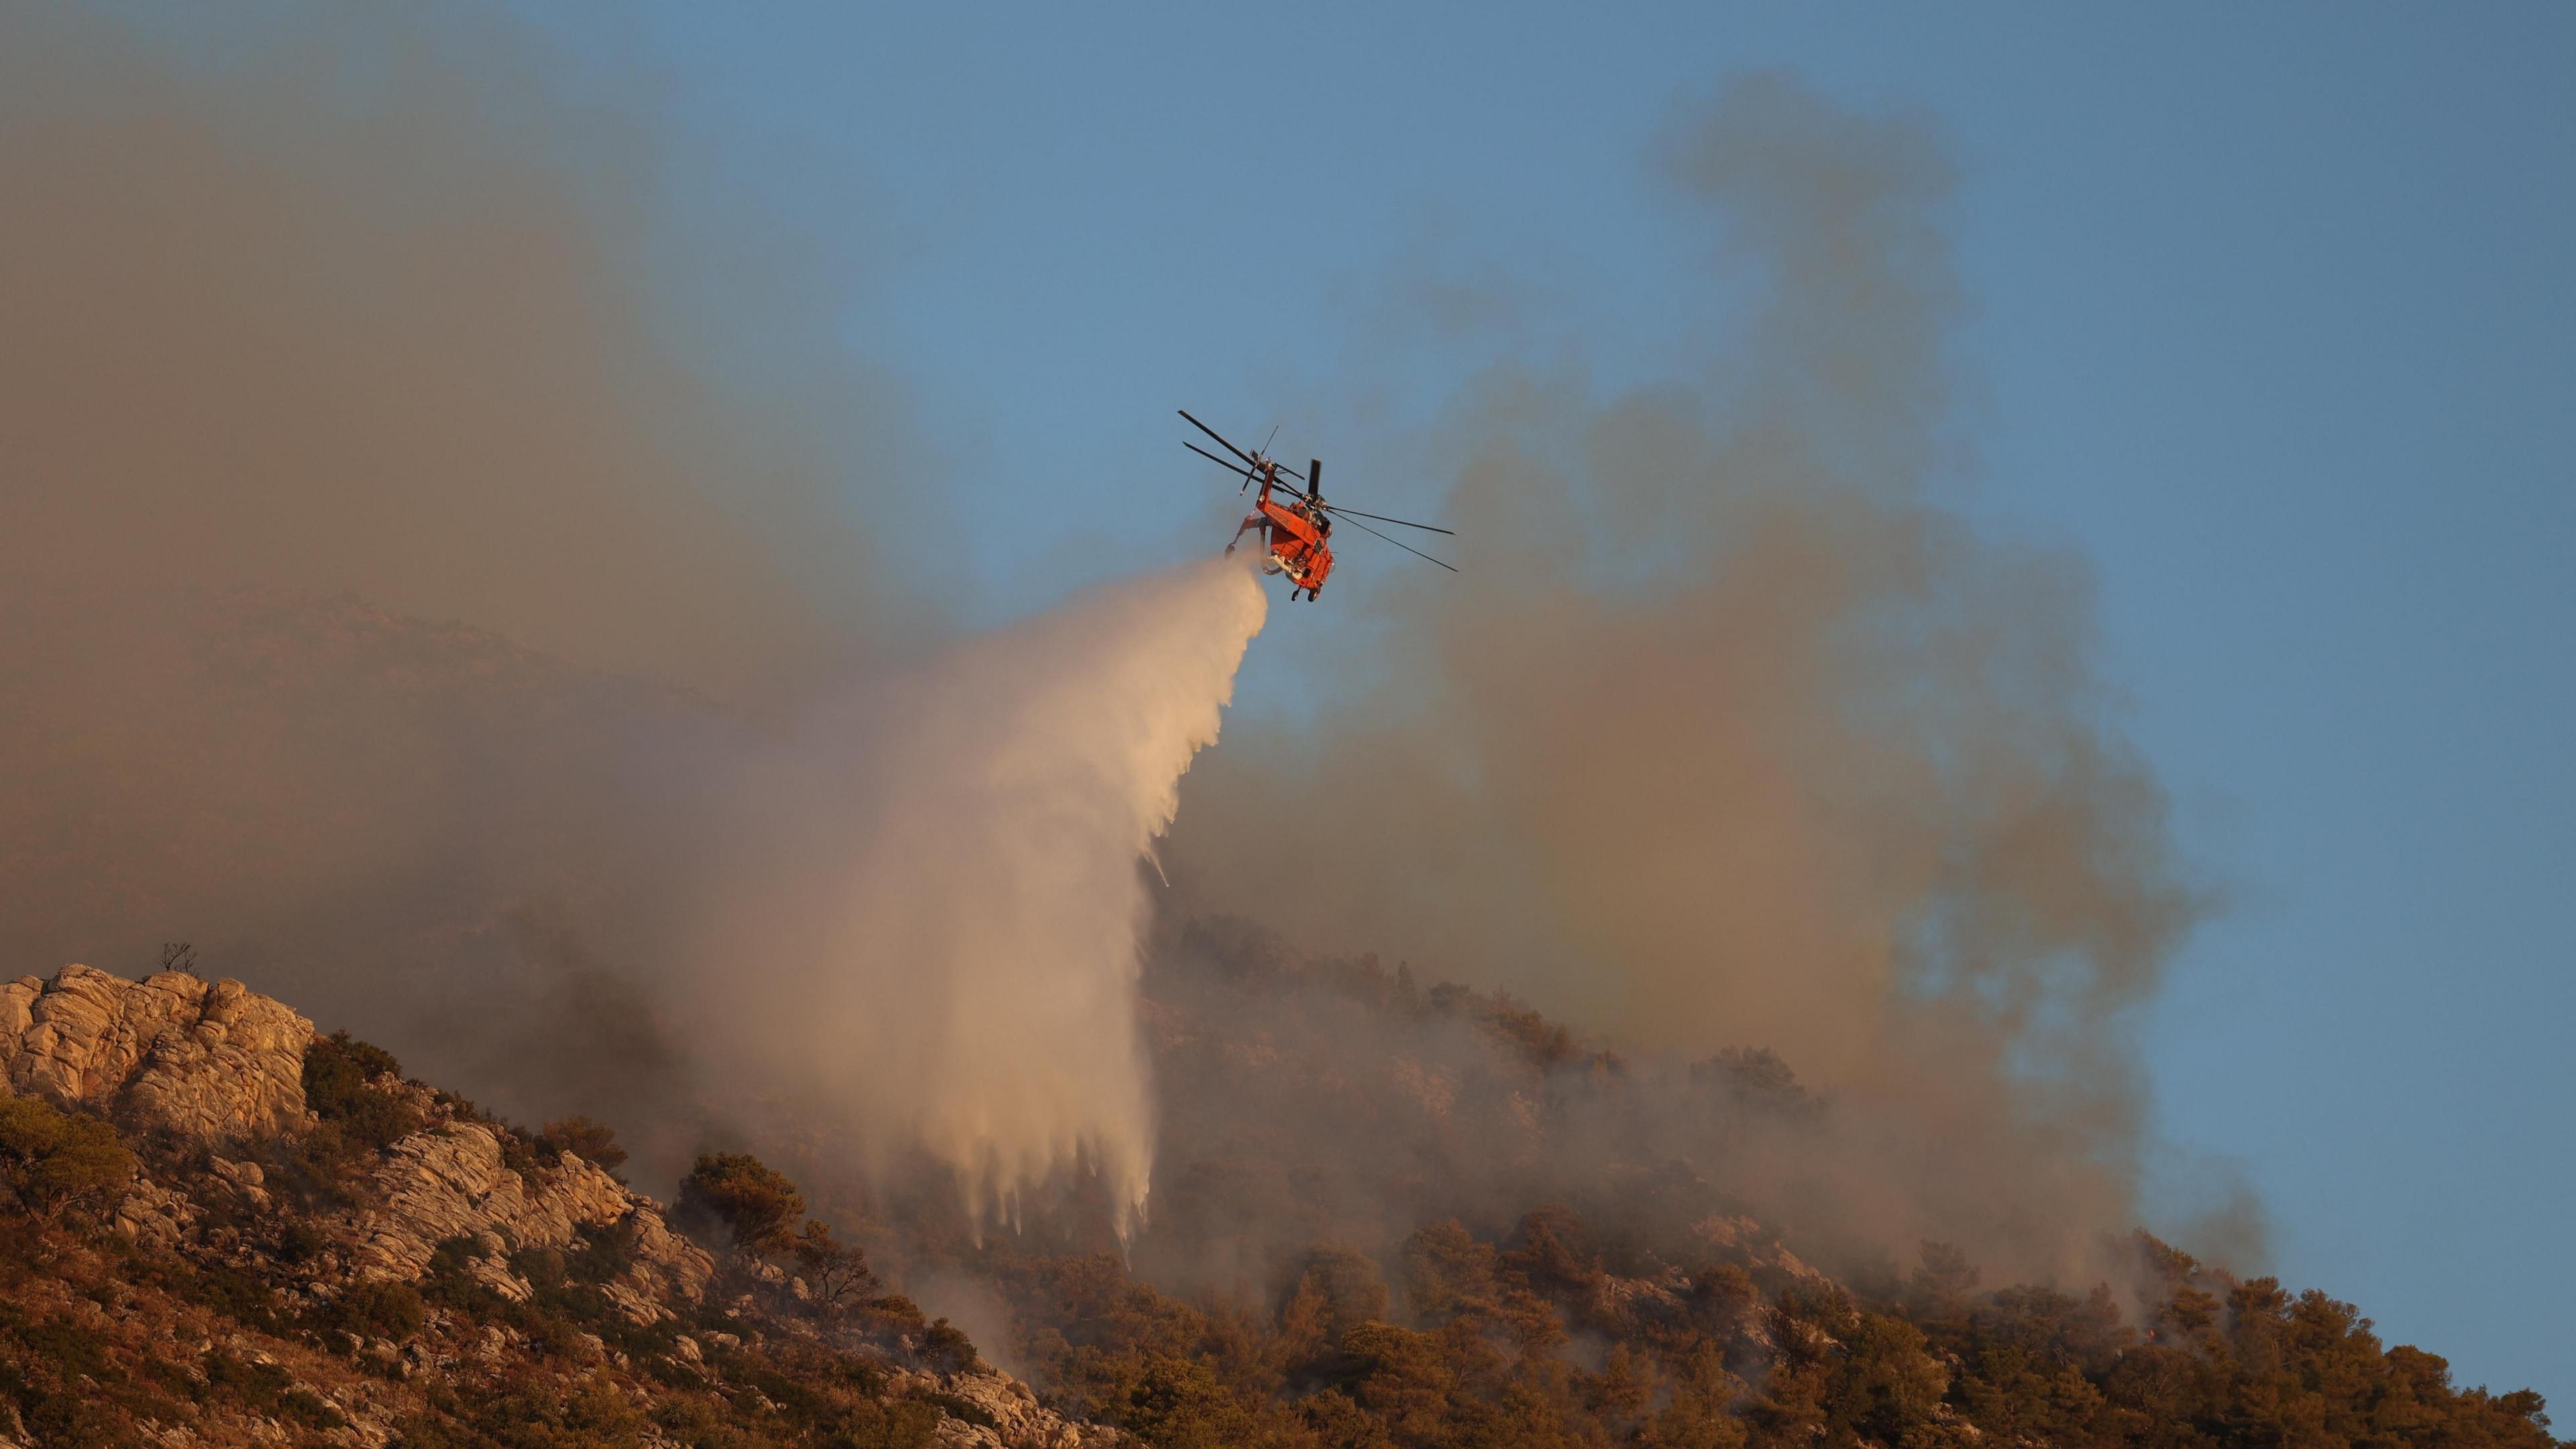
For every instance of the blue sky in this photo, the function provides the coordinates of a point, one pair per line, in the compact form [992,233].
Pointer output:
[2273,321]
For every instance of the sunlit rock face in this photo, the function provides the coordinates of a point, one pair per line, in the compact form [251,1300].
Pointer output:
[209,1060]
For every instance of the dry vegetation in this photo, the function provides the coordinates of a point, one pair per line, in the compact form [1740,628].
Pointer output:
[245,1334]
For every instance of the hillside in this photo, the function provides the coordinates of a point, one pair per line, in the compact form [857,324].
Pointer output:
[226,1229]
[281,1241]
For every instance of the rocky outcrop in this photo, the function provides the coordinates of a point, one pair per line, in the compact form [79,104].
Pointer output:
[234,1176]
[152,1215]
[1000,1412]
[1743,1238]
[210,1060]
[451,1182]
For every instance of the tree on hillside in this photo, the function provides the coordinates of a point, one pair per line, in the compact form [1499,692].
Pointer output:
[590,1141]
[833,1271]
[756,1204]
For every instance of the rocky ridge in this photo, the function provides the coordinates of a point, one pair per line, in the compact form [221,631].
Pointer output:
[490,1249]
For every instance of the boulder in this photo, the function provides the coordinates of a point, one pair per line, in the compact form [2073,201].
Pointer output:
[153,1216]
[209,1060]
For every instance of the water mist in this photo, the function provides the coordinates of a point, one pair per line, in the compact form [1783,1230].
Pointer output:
[950,904]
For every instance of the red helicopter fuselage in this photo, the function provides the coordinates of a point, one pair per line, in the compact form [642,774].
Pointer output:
[1296,541]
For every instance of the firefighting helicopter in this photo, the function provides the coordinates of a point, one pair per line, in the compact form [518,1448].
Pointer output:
[1297,536]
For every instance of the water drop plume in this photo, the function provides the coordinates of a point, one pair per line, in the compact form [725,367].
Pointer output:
[950,935]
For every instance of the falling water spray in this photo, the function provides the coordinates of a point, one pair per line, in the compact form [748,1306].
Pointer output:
[956,943]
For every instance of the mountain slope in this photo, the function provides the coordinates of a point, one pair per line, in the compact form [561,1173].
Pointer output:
[225,1229]
[282,1241]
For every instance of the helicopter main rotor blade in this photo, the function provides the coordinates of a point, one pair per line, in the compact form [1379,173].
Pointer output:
[1248,459]
[1213,458]
[1355,513]
[1244,473]
[1283,485]
[1408,548]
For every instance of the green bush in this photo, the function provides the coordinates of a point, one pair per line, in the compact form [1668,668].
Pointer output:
[894,1314]
[946,1348]
[51,1159]
[338,1067]
[299,1241]
[380,1310]
[517,1153]
[228,1290]
[338,1073]
[601,1254]
[905,1424]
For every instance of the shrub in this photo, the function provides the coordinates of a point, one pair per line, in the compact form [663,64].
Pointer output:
[517,1153]
[601,1254]
[338,1067]
[338,1074]
[308,1170]
[381,1119]
[230,1291]
[462,1109]
[52,1159]
[903,1424]
[1756,1078]
[269,1389]
[946,1348]
[895,1313]
[380,1310]
[299,1241]
[451,1282]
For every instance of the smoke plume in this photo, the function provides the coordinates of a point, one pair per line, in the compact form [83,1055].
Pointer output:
[1731,735]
